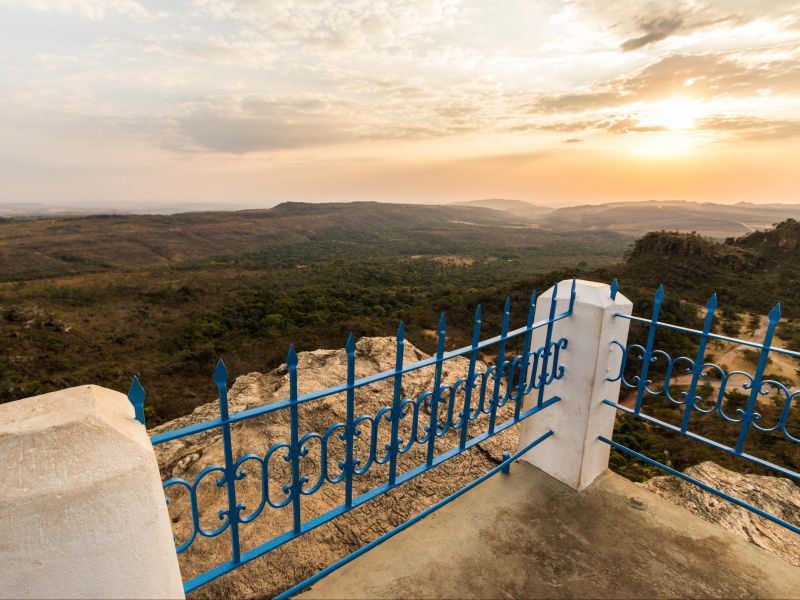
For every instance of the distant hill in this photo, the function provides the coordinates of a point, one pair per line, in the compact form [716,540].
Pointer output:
[44,247]
[751,271]
[638,218]
[519,208]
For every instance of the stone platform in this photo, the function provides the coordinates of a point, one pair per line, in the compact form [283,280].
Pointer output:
[526,535]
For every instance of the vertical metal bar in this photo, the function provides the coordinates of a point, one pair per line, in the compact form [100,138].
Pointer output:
[572,295]
[473,357]
[221,380]
[437,392]
[648,351]
[500,365]
[614,288]
[291,362]
[526,356]
[394,444]
[506,468]
[547,341]
[711,306]
[136,395]
[350,347]
[752,401]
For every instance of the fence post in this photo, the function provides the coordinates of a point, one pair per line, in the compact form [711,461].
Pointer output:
[82,512]
[574,455]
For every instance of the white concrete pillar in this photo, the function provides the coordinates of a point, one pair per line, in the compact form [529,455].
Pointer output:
[574,455]
[82,513]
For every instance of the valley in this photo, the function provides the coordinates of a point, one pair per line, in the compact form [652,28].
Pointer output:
[99,299]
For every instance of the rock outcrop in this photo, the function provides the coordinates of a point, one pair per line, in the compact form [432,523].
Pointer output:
[775,495]
[302,557]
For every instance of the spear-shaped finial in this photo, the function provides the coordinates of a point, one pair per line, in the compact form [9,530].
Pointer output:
[712,302]
[775,313]
[291,357]
[136,395]
[220,374]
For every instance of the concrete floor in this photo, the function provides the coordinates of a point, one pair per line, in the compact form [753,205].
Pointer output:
[526,535]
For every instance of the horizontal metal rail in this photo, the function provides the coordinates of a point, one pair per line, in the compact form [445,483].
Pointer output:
[230,565]
[699,438]
[502,467]
[701,485]
[713,336]
[338,389]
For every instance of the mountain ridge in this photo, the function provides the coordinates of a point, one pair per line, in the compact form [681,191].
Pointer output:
[638,218]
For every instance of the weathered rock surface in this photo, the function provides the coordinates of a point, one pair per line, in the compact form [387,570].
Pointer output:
[775,495]
[298,559]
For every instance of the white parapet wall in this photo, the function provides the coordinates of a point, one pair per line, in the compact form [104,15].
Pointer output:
[82,512]
[574,455]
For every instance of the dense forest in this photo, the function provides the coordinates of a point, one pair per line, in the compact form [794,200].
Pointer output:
[98,299]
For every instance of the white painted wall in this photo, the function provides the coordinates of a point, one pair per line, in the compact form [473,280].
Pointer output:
[574,455]
[82,512]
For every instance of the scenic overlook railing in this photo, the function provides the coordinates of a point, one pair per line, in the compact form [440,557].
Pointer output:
[451,408]
[700,387]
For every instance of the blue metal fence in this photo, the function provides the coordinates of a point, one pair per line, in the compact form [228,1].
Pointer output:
[691,405]
[452,407]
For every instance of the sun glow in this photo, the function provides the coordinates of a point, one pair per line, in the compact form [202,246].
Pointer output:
[666,128]
[674,114]
[665,144]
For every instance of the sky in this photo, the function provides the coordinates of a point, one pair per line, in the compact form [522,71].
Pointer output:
[248,103]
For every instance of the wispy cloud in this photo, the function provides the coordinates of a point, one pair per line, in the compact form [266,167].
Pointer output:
[91,9]
[655,30]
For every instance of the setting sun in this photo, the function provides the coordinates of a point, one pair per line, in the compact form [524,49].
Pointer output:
[672,114]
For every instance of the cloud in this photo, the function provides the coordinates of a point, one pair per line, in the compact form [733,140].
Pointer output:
[753,128]
[253,123]
[707,76]
[655,30]
[640,25]
[746,128]
[577,102]
[335,26]
[91,9]
[239,125]
[699,76]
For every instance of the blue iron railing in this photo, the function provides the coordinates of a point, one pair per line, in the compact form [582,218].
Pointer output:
[672,374]
[452,407]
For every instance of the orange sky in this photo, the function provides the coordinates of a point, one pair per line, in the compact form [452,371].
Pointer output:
[254,103]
